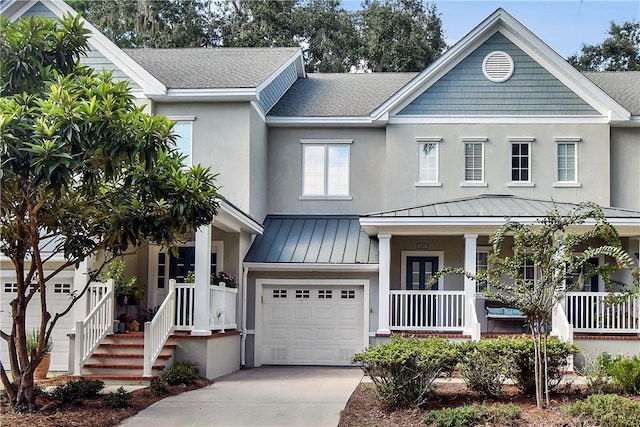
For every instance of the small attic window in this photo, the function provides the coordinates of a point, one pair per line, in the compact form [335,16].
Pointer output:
[497,66]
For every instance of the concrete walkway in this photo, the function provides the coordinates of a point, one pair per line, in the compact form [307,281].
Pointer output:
[260,397]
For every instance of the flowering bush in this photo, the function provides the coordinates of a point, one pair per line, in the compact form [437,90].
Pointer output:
[228,279]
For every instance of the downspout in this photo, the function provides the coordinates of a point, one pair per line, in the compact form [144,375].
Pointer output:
[243,339]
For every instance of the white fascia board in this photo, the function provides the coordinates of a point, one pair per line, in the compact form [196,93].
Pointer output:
[243,221]
[217,95]
[324,121]
[265,266]
[295,57]
[634,121]
[548,58]
[446,119]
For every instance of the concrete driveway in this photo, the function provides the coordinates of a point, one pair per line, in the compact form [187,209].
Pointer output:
[259,397]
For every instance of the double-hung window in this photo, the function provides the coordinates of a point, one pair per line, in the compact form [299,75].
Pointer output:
[482,264]
[326,168]
[184,137]
[528,271]
[567,162]
[428,161]
[520,162]
[474,161]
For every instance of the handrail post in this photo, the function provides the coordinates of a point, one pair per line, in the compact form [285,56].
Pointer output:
[79,344]
[148,346]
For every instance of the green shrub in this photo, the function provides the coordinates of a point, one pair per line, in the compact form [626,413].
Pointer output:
[404,369]
[75,391]
[623,370]
[159,386]
[523,362]
[471,415]
[596,377]
[117,399]
[608,410]
[484,365]
[183,372]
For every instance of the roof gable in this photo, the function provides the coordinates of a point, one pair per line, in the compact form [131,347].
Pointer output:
[527,42]
[531,90]
[104,54]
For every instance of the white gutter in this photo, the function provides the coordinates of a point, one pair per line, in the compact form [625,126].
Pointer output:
[243,338]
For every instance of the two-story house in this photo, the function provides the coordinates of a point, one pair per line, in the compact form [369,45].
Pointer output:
[345,193]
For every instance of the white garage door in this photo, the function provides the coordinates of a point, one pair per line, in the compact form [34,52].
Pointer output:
[312,325]
[58,298]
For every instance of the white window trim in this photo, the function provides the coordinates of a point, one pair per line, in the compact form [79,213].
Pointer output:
[436,182]
[326,143]
[465,141]
[405,254]
[521,140]
[568,140]
[186,119]
[482,249]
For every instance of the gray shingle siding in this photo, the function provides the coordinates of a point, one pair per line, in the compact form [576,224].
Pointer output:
[274,90]
[99,62]
[39,9]
[531,90]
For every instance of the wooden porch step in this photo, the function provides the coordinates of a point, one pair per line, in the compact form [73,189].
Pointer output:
[127,356]
[117,366]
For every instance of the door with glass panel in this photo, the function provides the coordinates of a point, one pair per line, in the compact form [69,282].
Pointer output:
[423,306]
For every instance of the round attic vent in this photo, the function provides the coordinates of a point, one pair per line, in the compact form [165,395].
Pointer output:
[497,66]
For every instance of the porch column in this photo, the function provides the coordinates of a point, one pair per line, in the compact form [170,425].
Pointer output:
[80,276]
[384,271]
[470,241]
[203,281]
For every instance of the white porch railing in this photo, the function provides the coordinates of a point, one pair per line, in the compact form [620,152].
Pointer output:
[222,307]
[426,310]
[158,330]
[593,312]
[97,324]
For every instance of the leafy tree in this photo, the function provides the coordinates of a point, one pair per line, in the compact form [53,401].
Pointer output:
[550,245]
[152,23]
[328,35]
[618,52]
[257,23]
[83,167]
[400,35]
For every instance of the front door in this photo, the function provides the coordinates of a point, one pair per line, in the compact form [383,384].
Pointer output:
[420,269]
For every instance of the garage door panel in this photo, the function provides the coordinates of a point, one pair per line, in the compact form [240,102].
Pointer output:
[325,324]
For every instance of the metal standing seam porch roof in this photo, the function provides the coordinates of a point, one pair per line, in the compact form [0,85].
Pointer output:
[313,239]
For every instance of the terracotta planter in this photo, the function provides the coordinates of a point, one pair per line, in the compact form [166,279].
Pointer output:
[43,367]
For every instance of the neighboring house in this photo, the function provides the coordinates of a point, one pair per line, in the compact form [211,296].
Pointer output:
[346,192]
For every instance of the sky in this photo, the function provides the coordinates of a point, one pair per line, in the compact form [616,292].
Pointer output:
[565,25]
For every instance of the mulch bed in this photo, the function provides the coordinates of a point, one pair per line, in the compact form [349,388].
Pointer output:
[92,413]
[364,409]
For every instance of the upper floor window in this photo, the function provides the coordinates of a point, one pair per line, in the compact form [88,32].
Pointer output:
[326,168]
[474,161]
[184,137]
[428,166]
[520,162]
[567,161]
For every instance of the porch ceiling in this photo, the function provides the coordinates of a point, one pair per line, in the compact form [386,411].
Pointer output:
[481,214]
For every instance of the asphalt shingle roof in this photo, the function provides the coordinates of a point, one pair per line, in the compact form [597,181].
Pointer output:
[493,205]
[212,68]
[339,94]
[624,87]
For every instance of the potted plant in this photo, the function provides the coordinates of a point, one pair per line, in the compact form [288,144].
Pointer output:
[42,369]
[125,290]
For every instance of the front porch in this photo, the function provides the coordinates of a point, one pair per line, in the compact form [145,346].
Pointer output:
[168,336]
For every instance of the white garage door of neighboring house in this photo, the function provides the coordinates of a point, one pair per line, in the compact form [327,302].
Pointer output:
[58,298]
[312,324]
